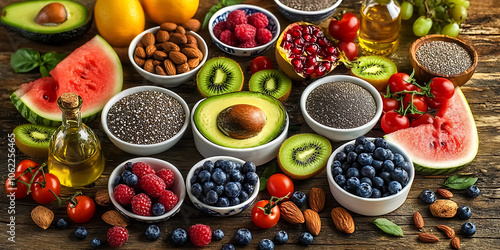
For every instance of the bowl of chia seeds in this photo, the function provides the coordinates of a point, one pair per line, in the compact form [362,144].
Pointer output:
[443,56]
[341,107]
[306,10]
[145,120]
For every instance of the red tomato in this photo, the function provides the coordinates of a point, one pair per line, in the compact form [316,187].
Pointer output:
[265,219]
[389,104]
[42,194]
[279,185]
[442,89]
[25,164]
[20,190]
[399,82]
[431,103]
[350,49]
[419,103]
[83,211]
[423,119]
[393,121]
[261,63]
[345,29]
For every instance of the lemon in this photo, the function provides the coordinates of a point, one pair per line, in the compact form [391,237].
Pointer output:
[175,11]
[119,21]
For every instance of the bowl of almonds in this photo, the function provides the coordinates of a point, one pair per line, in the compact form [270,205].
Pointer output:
[168,55]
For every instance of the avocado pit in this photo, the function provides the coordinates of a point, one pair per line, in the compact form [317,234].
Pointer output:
[241,121]
[52,14]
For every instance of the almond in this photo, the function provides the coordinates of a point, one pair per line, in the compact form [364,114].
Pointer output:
[139,61]
[443,208]
[139,44]
[193,62]
[450,233]
[42,216]
[159,70]
[455,243]
[160,55]
[190,52]
[426,237]
[148,39]
[191,40]
[200,55]
[343,220]
[446,194]
[168,26]
[178,38]
[177,57]
[162,36]
[169,67]
[140,52]
[418,220]
[192,24]
[313,222]
[150,50]
[148,66]
[180,30]
[291,213]
[156,63]
[114,218]
[182,68]
[102,198]
[170,46]
[317,199]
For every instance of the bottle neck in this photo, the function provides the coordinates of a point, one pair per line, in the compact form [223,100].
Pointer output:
[71,118]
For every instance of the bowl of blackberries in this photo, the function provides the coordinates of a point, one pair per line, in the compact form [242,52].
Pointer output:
[222,185]
[370,176]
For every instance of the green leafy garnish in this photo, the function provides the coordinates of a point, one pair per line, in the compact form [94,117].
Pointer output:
[270,170]
[460,181]
[26,60]
[388,227]
[221,4]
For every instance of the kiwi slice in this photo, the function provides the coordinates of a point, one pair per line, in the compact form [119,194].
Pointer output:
[33,140]
[272,82]
[374,69]
[219,75]
[303,156]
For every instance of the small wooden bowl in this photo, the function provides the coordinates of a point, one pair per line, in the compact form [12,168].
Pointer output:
[425,75]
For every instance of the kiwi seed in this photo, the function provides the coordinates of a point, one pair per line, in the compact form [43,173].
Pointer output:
[33,140]
[375,70]
[219,75]
[272,82]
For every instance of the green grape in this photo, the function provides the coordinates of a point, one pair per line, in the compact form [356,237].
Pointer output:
[422,26]
[458,13]
[406,10]
[451,29]
[421,11]
[418,3]
[465,3]
[439,12]
[436,28]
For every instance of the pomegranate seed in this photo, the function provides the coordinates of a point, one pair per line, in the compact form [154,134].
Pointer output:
[318,33]
[309,70]
[330,58]
[286,45]
[311,49]
[327,66]
[296,33]
[299,42]
[331,50]
[320,70]
[310,61]
[308,37]
[297,64]
[322,42]
[288,37]
[297,50]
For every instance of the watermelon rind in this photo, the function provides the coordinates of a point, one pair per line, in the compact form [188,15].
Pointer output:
[425,165]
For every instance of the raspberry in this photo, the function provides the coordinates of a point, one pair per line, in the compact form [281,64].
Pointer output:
[244,32]
[258,20]
[264,36]
[167,176]
[141,169]
[168,199]
[141,204]
[117,236]
[153,185]
[219,27]
[123,194]
[236,17]
[200,235]
[248,44]
[228,38]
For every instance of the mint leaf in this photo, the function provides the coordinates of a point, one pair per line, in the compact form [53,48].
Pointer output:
[388,227]
[25,60]
[270,170]
[460,181]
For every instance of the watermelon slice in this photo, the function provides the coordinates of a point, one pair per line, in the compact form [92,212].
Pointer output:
[448,144]
[92,71]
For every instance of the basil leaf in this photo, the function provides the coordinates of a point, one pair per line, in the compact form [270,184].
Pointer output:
[44,71]
[50,60]
[388,227]
[209,15]
[231,2]
[460,181]
[270,170]
[25,60]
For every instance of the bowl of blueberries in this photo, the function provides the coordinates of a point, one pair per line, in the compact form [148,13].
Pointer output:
[370,176]
[222,185]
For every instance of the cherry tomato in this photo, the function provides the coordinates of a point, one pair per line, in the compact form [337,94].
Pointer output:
[42,194]
[18,189]
[393,121]
[442,89]
[279,185]
[419,103]
[432,103]
[83,211]
[350,49]
[261,63]
[265,219]
[423,119]
[389,104]
[345,29]
[399,82]
[25,164]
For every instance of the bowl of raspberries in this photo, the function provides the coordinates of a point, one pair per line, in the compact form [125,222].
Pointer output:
[244,30]
[222,185]
[147,189]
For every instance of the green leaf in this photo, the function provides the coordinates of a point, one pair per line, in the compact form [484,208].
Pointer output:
[231,2]
[209,15]
[270,170]
[44,71]
[460,181]
[388,227]
[25,60]
[50,60]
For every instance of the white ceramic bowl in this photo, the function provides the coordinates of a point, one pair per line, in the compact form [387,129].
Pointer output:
[295,15]
[221,15]
[167,81]
[139,149]
[336,134]
[219,211]
[369,206]
[178,188]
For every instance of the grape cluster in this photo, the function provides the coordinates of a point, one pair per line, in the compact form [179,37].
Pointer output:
[435,16]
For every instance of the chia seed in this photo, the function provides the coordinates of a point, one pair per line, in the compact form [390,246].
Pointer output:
[443,58]
[307,5]
[341,105]
[146,117]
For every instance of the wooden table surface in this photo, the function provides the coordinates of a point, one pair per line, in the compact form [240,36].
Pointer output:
[481,29]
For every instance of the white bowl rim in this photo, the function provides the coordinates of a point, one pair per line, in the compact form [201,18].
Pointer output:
[335,78]
[137,89]
[309,13]
[239,6]
[392,145]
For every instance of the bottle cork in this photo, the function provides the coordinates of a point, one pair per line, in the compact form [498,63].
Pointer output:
[69,100]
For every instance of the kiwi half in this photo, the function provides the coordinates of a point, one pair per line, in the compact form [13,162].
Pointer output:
[33,140]
[374,69]
[219,75]
[303,156]
[272,82]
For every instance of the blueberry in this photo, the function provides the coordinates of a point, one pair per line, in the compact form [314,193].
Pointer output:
[198,170]
[368,171]
[125,174]
[218,235]
[472,191]
[359,149]
[386,176]
[464,212]
[131,180]
[349,148]
[336,164]
[306,238]
[228,166]
[243,196]
[242,237]
[400,175]
[388,166]
[360,140]
[381,142]
[211,197]
[228,246]
[377,165]
[340,180]
[207,186]
[194,179]
[219,189]
[352,172]
[394,187]
[219,176]
[152,232]
[158,209]
[204,176]
[376,193]
[251,177]
[218,163]
[196,189]
[234,201]
[345,166]
[222,202]
[336,171]
[62,224]
[237,166]
[281,237]
[208,166]
[352,183]
[369,146]
[248,167]
[351,157]
[340,156]
[129,166]
[266,244]
[179,237]
[405,165]
[364,190]
[231,189]
[398,159]
[117,181]
[299,198]
[468,228]
[236,176]
[366,180]
[365,159]
[380,154]
[377,182]
[428,196]
[81,233]
[390,155]
[96,243]
[249,188]
[386,194]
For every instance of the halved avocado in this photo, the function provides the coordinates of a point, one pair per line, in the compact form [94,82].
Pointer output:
[205,118]
[20,18]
